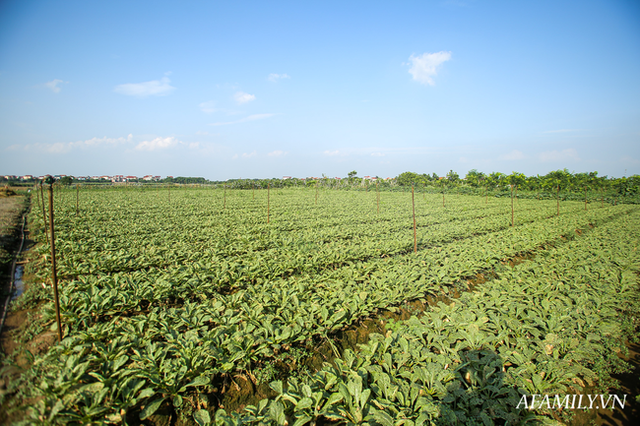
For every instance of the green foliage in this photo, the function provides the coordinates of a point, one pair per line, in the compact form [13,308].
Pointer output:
[66,180]
[475,178]
[161,300]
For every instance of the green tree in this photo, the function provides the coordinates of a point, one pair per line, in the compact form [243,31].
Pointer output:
[66,180]
[474,178]
[495,179]
[517,179]
[453,177]
[352,175]
[409,178]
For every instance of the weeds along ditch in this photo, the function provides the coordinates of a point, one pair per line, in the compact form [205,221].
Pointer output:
[193,310]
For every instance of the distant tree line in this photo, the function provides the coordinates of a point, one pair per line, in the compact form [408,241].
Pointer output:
[562,180]
[495,183]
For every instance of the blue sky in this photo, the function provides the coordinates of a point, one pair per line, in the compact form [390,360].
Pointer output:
[228,90]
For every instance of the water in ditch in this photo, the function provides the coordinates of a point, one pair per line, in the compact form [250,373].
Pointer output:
[18,282]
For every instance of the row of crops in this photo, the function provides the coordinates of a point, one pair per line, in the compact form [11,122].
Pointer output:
[166,298]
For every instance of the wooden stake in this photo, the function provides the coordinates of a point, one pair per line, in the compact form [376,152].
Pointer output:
[558,199]
[378,196]
[512,221]
[268,200]
[415,235]
[585,199]
[316,193]
[44,214]
[224,206]
[54,277]
[77,198]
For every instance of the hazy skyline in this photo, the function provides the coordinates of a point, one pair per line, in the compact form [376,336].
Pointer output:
[228,90]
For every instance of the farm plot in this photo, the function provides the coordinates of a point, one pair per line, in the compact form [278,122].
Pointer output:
[164,297]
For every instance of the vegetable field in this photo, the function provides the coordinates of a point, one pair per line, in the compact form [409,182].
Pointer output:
[212,306]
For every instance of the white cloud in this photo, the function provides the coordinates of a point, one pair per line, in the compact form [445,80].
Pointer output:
[243,120]
[511,156]
[277,153]
[275,77]
[377,154]
[53,85]
[331,153]
[424,66]
[208,107]
[243,98]
[158,143]
[155,87]
[201,133]
[249,155]
[62,147]
[564,155]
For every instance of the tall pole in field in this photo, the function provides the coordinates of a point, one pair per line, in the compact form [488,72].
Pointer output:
[415,235]
[224,186]
[169,191]
[77,198]
[316,193]
[44,213]
[558,200]
[378,196]
[512,221]
[268,200]
[54,277]
[585,198]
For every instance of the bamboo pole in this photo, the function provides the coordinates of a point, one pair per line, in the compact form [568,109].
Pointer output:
[558,200]
[415,235]
[44,213]
[378,196]
[224,186]
[316,193]
[268,200]
[585,198]
[512,218]
[54,277]
[77,198]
